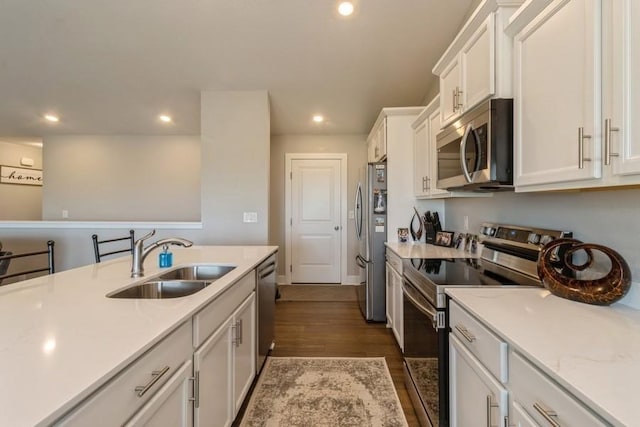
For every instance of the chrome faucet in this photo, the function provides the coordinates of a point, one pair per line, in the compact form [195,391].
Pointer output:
[140,252]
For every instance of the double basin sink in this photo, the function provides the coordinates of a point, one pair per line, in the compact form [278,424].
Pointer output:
[175,283]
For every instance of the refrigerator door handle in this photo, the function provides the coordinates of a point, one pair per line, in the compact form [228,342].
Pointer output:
[362,263]
[358,213]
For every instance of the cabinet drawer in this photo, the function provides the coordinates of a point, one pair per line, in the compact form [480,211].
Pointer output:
[537,393]
[484,344]
[207,320]
[165,358]
[395,261]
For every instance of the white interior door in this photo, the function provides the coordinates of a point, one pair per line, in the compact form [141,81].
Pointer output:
[316,223]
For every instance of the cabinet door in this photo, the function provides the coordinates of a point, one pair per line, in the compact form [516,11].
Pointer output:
[389,296]
[398,311]
[557,92]
[478,66]
[421,157]
[244,344]
[214,367]
[474,393]
[518,417]
[371,149]
[449,85]
[432,178]
[171,405]
[625,97]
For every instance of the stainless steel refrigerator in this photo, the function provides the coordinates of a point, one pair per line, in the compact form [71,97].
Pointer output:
[371,231]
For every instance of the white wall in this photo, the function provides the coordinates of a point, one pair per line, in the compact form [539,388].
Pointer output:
[235,166]
[355,146]
[121,178]
[609,218]
[20,202]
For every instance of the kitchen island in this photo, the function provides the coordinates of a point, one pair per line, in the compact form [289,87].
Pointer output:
[62,339]
[592,353]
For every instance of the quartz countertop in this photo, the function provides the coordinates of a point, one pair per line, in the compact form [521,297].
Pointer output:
[61,338]
[425,250]
[592,351]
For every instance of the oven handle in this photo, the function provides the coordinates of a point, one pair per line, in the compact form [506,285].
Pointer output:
[424,309]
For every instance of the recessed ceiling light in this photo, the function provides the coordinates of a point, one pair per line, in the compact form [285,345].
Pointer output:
[164,118]
[318,118]
[51,118]
[345,8]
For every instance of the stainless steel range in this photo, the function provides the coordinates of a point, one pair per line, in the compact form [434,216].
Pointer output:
[508,258]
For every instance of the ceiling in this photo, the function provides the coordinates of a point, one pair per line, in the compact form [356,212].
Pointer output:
[112,66]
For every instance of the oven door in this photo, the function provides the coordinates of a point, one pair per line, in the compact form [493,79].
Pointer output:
[425,357]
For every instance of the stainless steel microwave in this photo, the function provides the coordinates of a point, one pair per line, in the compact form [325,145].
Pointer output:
[475,153]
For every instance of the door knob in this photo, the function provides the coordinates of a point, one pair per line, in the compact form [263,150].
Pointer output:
[337,227]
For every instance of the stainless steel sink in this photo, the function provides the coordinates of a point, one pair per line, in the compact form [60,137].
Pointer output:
[197,272]
[175,283]
[161,289]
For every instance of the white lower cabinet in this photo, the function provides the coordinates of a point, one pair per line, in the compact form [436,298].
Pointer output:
[170,406]
[480,383]
[544,401]
[394,296]
[225,368]
[171,385]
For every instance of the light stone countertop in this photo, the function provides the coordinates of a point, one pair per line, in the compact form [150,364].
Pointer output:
[592,351]
[424,250]
[61,338]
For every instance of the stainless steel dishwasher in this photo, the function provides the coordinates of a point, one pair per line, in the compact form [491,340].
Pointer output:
[266,297]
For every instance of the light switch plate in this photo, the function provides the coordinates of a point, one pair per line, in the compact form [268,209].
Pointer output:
[250,217]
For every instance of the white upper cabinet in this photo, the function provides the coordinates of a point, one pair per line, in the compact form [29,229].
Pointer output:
[377,141]
[575,107]
[477,64]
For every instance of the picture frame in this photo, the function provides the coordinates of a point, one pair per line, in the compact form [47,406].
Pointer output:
[444,238]
[20,176]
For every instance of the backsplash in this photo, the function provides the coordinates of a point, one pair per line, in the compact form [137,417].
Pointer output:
[605,217]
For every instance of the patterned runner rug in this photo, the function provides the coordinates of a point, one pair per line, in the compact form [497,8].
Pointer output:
[324,392]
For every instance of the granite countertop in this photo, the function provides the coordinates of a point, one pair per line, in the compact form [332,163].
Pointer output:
[61,338]
[425,250]
[592,351]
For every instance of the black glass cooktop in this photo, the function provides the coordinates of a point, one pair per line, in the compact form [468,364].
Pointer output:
[458,272]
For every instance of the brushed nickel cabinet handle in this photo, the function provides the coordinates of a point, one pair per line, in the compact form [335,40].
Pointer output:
[458,93]
[581,138]
[465,333]
[239,330]
[196,390]
[454,102]
[155,376]
[490,405]
[547,414]
[607,141]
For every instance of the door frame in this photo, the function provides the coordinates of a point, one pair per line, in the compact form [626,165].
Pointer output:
[289,157]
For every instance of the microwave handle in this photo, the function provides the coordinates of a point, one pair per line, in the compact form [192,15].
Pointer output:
[463,151]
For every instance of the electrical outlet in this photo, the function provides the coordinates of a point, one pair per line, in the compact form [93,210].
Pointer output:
[351,215]
[250,217]
[65,213]
[466,223]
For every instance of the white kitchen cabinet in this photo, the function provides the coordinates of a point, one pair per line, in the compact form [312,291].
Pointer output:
[126,394]
[477,64]
[544,401]
[394,286]
[224,360]
[474,393]
[171,405]
[377,142]
[389,296]
[575,107]
[518,417]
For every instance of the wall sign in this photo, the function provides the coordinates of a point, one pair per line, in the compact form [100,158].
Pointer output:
[21,176]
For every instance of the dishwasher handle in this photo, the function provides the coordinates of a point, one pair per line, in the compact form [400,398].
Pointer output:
[262,273]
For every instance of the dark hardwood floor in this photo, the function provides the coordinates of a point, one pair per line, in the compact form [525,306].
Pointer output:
[337,329]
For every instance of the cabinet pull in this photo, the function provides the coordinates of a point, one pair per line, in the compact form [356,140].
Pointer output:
[458,103]
[428,181]
[607,141]
[465,333]
[490,405]
[547,414]
[196,390]
[155,376]
[454,102]
[238,333]
[581,138]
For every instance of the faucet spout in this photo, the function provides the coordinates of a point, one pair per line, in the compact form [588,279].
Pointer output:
[140,253]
